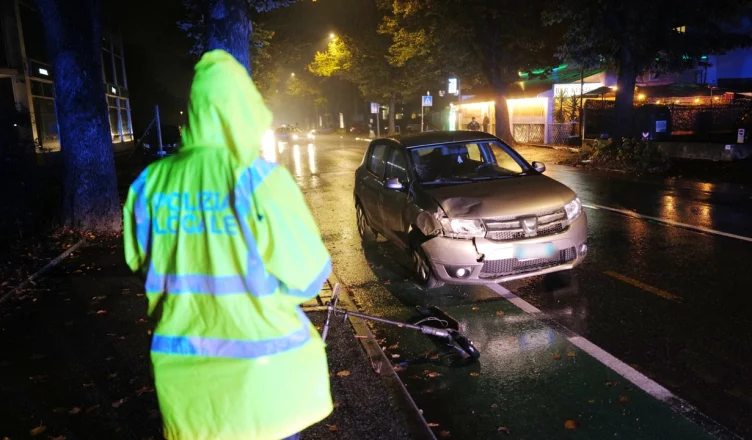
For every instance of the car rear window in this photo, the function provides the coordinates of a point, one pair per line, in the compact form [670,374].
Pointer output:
[376,161]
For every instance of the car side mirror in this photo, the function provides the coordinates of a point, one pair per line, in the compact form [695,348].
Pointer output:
[539,167]
[394,183]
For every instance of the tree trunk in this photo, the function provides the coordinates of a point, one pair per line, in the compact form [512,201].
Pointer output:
[228,27]
[392,107]
[624,104]
[74,43]
[503,130]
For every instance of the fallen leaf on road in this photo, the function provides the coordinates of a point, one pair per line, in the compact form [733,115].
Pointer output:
[434,357]
[91,409]
[112,375]
[557,357]
[395,356]
[101,312]
[505,430]
[38,378]
[445,434]
[433,374]
[139,294]
[333,428]
[109,358]
[623,399]
[38,430]
[387,282]
[336,404]
[429,391]
[145,389]
[591,401]
[571,424]
[394,347]
[415,377]
[475,307]
[343,373]
[493,405]
[88,385]
[571,354]
[60,409]
[74,411]
[500,313]
[474,374]
[118,403]
[611,384]
[59,437]
[433,425]
[125,291]
[399,368]
[361,337]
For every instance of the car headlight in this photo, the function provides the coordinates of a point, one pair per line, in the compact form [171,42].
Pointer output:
[573,209]
[460,228]
[295,137]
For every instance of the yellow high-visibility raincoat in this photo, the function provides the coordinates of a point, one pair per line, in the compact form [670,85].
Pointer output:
[229,250]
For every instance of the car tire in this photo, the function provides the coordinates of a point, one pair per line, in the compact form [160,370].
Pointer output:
[424,274]
[366,232]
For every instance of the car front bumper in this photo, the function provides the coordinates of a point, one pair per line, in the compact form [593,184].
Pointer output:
[487,261]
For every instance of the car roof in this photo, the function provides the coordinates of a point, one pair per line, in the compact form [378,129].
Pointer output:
[439,137]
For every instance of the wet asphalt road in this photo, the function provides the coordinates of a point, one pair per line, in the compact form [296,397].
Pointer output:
[671,302]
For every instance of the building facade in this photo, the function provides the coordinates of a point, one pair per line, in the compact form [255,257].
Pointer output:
[27,92]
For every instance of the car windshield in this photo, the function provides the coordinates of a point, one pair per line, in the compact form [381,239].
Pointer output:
[466,162]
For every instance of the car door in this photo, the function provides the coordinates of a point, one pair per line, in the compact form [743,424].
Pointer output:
[372,184]
[393,202]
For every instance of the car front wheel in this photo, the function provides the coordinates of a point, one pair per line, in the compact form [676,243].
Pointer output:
[367,234]
[423,272]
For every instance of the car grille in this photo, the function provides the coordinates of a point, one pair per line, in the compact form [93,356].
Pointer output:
[506,229]
[512,266]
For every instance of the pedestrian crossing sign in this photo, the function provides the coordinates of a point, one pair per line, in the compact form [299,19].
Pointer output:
[428,101]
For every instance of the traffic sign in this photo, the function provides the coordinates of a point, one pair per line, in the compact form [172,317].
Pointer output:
[645,135]
[452,90]
[374,108]
[428,101]
[740,136]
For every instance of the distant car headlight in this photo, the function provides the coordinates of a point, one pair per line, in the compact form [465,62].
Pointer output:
[573,209]
[461,228]
[295,137]
[311,136]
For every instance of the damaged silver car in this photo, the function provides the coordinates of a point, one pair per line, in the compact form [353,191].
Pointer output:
[468,208]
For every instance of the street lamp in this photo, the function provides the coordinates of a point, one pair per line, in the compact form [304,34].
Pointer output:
[292,74]
[332,36]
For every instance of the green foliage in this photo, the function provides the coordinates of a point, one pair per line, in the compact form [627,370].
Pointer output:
[634,155]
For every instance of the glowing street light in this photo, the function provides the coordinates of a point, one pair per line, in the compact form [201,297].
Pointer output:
[292,74]
[332,36]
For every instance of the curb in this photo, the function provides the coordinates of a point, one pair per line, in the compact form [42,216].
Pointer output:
[417,425]
[553,147]
[43,270]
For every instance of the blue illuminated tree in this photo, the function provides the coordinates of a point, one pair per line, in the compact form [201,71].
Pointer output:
[225,24]
[73,30]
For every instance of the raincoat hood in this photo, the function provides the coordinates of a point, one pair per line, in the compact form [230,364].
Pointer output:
[226,109]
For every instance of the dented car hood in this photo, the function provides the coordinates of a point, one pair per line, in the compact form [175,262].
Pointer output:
[514,196]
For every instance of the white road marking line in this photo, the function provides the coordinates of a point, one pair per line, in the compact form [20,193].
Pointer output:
[669,222]
[643,382]
[640,380]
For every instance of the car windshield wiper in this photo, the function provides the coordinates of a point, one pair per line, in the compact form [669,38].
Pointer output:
[447,181]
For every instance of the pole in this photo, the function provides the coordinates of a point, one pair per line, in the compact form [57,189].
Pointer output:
[459,108]
[159,129]
[582,88]
[422,109]
[378,116]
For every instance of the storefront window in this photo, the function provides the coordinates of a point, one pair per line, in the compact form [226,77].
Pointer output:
[46,122]
[114,124]
[109,75]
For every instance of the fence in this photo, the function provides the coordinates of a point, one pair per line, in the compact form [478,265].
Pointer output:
[559,134]
[693,122]
[528,133]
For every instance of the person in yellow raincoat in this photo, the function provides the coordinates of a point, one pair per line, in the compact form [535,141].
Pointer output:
[229,250]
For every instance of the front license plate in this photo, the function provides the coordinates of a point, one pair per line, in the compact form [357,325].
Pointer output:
[534,251]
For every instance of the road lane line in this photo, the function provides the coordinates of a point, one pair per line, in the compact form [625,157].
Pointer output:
[641,381]
[643,286]
[669,222]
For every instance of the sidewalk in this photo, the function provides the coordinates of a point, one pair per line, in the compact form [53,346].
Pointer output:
[75,364]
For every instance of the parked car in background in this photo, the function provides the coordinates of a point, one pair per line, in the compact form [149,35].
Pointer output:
[291,133]
[171,141]
[359,128]
[468,208]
